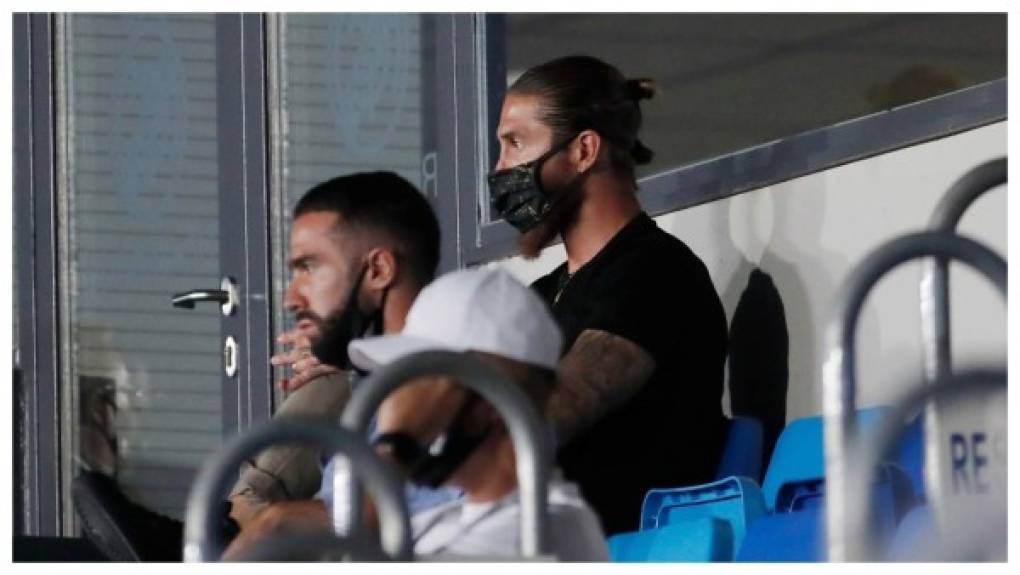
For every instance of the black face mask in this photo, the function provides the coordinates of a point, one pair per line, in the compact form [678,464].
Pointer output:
[346,324]
[433,465]
[517,194]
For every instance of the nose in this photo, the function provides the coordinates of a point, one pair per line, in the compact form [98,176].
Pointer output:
[293,300]
[502,163]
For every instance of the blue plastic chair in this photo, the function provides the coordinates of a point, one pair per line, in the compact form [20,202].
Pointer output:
[704,539]
[735,500]
[793,536]
[911,456]
[742,453]
[798,457]
[674,528]
[794,490]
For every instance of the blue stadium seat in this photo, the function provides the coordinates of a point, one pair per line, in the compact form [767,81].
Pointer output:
[730,518]
[735,500]
[742,454]
[911,455]
[704,539]
[798,457]
[794,490]
[674,528]
[794,536]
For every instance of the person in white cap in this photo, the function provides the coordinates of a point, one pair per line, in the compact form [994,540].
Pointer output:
[492,316]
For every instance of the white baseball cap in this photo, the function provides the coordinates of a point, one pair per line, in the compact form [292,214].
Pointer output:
[479,310]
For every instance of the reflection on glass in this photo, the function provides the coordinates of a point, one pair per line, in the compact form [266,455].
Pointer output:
[731,81]
[351,97]
[144,224]
[354,95]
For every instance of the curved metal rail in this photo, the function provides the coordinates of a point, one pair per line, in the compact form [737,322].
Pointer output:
[935,277]
[934,295]
[866,452]
[839,385]
[528,431]
[201,535]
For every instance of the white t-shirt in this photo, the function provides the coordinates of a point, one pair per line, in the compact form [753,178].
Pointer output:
[492,530]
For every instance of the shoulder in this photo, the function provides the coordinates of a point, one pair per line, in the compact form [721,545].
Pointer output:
[662,249]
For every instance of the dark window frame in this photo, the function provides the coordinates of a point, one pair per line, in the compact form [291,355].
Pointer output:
[35,206]
[744,170]
[242,117]
[42,484]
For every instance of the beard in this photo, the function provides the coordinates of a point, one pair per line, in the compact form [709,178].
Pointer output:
[561,214]
[330,346]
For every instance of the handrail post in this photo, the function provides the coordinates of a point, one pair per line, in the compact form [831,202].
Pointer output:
[934,293]
[867,452]
[839,384]
[201,536]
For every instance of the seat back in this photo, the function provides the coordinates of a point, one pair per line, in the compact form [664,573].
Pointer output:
[794,536]
[911,455]
[737,501]
[799,456]
[703,539]
[742,453]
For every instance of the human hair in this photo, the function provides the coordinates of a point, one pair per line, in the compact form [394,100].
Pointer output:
[385,203]
[585,93]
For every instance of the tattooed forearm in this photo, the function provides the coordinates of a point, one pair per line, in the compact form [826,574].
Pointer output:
[599,373]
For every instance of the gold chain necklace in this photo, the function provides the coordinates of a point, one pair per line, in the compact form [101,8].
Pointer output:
[561,284]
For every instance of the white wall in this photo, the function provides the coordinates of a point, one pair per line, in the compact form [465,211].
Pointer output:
[808,233]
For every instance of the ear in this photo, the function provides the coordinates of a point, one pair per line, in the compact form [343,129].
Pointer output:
[586,150]
[382,269]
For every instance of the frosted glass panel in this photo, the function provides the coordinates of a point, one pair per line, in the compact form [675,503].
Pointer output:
[355,95]
[144,225]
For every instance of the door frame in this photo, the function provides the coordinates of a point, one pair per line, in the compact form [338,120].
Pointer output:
[46,424]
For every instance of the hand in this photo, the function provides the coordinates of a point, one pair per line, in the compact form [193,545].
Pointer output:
[304,366]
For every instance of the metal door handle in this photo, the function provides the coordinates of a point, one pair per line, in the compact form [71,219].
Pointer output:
[226,296]
[188,298]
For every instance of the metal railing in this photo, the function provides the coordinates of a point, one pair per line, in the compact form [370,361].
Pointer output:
[935,277]
[839,386]
[934,296]
[201,534]
[528,431]
[973,540]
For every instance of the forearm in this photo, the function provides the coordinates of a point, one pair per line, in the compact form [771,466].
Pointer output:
[599,373]
[309,515]
[290,471]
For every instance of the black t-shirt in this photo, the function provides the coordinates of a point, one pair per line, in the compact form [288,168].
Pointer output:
[651,289]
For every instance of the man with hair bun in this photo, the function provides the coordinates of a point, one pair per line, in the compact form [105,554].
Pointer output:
[638,404]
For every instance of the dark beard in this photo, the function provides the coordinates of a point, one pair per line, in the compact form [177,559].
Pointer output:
[561,214]
[335,332]
[343,325]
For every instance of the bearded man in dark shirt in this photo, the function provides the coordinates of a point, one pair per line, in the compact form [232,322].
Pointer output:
[638,404]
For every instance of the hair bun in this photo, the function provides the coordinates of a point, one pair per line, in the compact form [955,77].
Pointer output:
[641,154]
[640,89]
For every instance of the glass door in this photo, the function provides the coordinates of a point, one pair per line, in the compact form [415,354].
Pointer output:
[158,158]
[155,151]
